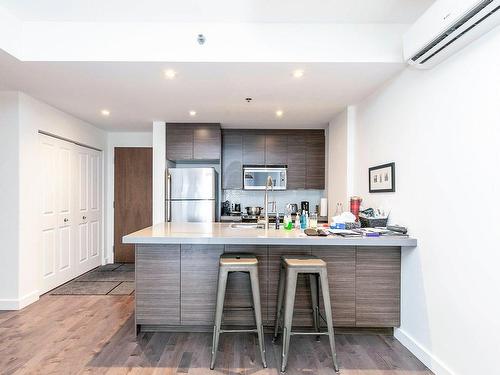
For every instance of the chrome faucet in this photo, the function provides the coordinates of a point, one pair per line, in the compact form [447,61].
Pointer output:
[269,184]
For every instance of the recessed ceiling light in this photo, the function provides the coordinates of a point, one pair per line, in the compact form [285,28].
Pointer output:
[170,74]
[192,113]
[298,73]
[105,112]
[279,113]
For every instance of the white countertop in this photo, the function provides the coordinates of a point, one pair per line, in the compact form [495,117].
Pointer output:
[223,234]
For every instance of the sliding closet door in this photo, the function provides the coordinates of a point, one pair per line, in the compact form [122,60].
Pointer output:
[88,212]
[71,210]
[57,242]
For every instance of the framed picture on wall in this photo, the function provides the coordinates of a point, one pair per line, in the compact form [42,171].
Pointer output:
[382,178]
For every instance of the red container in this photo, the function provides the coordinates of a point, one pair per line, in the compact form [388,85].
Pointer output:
[355,204]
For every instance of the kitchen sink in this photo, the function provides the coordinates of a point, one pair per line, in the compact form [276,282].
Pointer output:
[247,226]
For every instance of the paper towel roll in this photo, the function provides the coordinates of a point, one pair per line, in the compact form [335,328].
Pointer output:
[323,208]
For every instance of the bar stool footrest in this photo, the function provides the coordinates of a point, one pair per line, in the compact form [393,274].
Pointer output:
[239,330]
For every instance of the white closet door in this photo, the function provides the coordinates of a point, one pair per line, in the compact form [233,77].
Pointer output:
[88,213]
[57,247]
[71,211]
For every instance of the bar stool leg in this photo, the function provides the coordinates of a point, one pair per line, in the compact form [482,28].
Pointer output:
[328,314]
[313,281]
[279,304]
[221,292]
[290,288]
[254,280]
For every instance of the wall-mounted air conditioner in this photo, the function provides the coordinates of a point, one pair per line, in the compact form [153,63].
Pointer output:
[446,27]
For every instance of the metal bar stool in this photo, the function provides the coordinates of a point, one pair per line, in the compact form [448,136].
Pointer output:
[238,263]
[291,266]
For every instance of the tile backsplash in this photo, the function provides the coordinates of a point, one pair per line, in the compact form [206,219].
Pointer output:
[282,198]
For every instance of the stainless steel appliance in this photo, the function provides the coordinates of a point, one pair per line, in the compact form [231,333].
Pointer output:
[255,177]
[191,194]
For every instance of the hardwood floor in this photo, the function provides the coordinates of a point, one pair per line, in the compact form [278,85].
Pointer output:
[94,335]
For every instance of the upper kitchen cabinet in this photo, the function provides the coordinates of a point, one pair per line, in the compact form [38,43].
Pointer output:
[190,142]
[254,148]
[232,160]
[276,148]
[206,142]
[296,162]
[315,159]
[179,142]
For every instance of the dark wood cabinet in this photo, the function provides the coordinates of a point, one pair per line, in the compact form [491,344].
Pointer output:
[199,273]
[276,149]
[296,162]
[206,142]
[315,160]
[187,142]
[254,148]
[158,284]
[179,142]
[232,160]
[378,280]
[303,151]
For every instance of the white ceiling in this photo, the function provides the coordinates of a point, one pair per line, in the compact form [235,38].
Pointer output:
[303,11]
[137,93]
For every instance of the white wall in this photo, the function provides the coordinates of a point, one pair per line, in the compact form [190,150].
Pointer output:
[442,129]
[159,166]
[9,198]
[123,139]
[33,116]
[341,138]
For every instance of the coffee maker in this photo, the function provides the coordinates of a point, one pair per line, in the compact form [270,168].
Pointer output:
[304,206]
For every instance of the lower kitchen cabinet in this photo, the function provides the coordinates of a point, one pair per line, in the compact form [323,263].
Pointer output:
[239,291]
[302,315]
[158,284]
[199,273]
[341,268]
[378,280]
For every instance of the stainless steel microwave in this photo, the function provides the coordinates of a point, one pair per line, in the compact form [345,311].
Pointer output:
[255,177]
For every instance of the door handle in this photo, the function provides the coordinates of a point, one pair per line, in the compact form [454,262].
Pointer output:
[169,201]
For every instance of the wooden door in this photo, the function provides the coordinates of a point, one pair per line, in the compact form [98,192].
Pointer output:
[133,196]
[57,246]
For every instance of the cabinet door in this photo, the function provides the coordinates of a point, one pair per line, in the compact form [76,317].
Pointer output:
[232,161]
[158,284]
[296,161]
[254,149]
[239,291]
[199,273]
[302,313]
[276,149]
[341,268]
[179,142]
[315,160]
[207,142]
[378,280]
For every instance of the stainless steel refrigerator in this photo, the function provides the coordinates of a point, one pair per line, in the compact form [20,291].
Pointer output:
[191,194]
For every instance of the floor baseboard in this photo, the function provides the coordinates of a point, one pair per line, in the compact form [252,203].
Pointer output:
[18,304]
[427,358]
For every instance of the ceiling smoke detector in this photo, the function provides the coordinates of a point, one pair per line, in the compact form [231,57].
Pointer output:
[248,100]
[201,39]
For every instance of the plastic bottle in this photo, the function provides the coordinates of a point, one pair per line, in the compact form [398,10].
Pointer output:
[297,220]
[303,224]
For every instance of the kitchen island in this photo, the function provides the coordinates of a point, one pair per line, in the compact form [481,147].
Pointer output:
[177,267]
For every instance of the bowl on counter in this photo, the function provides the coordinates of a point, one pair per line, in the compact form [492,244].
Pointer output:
[253,210]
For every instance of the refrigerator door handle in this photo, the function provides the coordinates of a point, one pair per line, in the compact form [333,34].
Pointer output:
[169,201]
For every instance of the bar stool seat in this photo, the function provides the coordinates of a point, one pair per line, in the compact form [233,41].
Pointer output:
[290,267]
[247,263]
